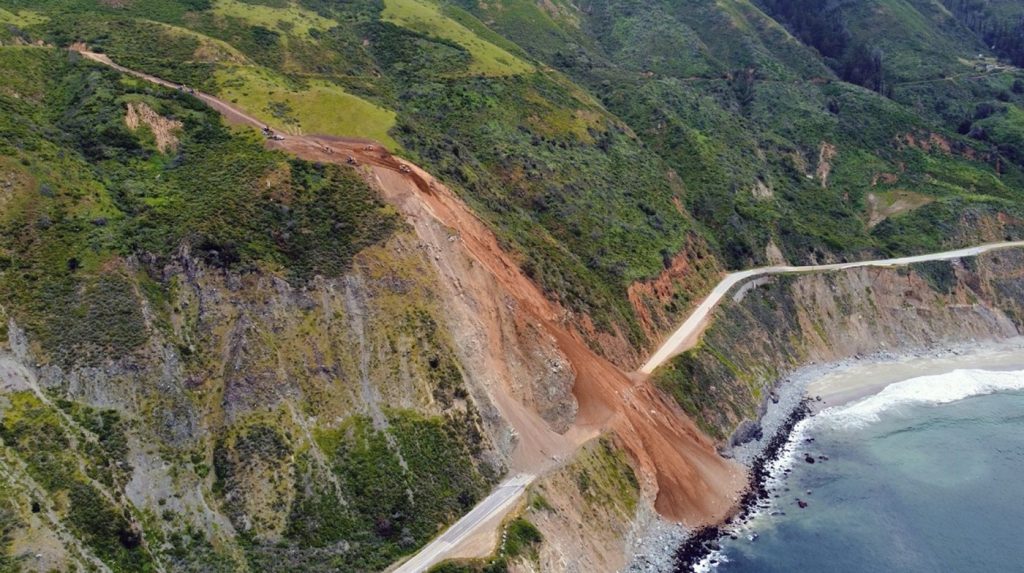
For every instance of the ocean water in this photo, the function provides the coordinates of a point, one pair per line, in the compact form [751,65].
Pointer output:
[926,476]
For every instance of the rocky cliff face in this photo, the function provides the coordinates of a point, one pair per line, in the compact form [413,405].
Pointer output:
[238,358]
[773,325]
[323,427]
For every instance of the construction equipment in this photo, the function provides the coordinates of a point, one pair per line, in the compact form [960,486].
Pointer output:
[351,160]
[404,168]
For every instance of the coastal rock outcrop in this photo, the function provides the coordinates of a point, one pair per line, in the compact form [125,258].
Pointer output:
[793,320]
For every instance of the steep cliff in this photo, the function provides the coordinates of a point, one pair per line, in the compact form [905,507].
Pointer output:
[225,351]
[219,356]
[773,325]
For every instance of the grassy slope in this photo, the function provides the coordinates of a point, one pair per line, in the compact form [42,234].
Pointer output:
[82,194]
[743,105]
[91,191]
[427,17]
[726,98]
[21,18]
[478,91]
[318,107]
[287,16]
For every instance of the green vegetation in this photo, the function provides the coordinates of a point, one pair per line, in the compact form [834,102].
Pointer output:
[536,182]
[742,113]
[728,111]
[56,456]
[317,107]
[251,462]
[528,149]
[426,17]
[284,15]
[94,212]
[999,24]
[740,130]
[21,18]
[940,275]
[690,385]
[396,488]
[601,484]
[9,522]
[605,479]
[88,192]
[717,383]
[521,540]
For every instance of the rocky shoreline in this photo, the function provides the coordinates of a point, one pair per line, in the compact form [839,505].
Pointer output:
[652,549]
[759,444]
[702,542]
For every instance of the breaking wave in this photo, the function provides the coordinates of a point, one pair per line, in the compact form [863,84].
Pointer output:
[937,389]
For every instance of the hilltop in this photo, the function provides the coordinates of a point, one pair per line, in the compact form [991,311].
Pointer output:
[221,351]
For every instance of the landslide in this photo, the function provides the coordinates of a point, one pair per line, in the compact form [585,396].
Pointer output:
[692,483]
[214,358]
[678,463]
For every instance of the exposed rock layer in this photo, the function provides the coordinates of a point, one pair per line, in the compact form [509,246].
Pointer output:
[789,321]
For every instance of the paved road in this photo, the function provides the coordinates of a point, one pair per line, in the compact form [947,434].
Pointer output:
[503,498]
[500,501]
[695,323]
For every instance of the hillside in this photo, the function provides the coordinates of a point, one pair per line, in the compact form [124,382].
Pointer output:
[222,352]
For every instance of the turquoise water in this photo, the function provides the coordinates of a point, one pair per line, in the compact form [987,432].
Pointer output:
[914,485]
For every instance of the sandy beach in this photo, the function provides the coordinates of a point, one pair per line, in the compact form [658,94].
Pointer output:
[861,378]
[848,380]
[835,383]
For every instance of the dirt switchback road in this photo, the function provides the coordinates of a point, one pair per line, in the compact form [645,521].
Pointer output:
[689,332]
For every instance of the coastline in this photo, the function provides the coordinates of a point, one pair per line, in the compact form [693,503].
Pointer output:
[762,445]
[868,377]
[844,381]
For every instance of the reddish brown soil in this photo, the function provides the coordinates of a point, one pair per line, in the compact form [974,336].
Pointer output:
[651,298]
[825,156]
[693,483]
[675,461]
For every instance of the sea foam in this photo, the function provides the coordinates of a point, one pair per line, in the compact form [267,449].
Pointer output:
[937,389]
